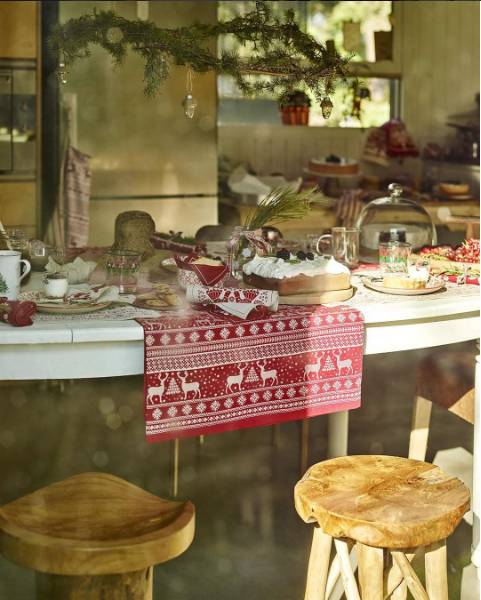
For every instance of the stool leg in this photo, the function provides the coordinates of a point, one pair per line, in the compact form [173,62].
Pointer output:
[418,441]
[304,446]
[436,571]
[371,570]
[318,565]
[175,467]
[337,433]
[348,579]
[275,436]
[412,580]
[394,585]
[134,586]
[400,593]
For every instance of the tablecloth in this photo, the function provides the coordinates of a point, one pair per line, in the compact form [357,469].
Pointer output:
[207,373]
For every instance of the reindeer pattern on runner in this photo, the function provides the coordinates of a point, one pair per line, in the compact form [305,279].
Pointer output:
[223,373]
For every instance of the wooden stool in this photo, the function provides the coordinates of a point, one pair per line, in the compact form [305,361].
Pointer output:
[387,507]
[94,536]
[447,379]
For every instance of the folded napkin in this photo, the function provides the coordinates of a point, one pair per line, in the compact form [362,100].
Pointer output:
[234,301]
[77,271]
[17,313]
[108,293]
[191,273]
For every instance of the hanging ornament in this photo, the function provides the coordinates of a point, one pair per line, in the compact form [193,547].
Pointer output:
[114,35]
[189,102]
[62,72]
[326,107]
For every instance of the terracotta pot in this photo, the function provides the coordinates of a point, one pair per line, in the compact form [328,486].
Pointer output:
[295,115]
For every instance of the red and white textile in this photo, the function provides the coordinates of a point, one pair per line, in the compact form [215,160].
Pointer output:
[234,301]
[77,181]
[207,373]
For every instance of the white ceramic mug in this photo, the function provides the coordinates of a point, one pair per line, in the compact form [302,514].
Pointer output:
[10,276]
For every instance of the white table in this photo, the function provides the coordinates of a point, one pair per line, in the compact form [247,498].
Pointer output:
[76,350]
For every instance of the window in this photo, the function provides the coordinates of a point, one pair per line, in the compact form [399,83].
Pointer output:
[348,23]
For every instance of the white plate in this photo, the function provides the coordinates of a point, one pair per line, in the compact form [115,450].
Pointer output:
[71,309]
[378,287]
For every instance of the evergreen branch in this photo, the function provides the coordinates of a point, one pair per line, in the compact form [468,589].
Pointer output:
[291,57]
[281,204]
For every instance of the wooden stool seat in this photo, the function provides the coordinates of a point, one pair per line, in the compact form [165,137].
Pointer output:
[387,508]
[382,501]
[94,524]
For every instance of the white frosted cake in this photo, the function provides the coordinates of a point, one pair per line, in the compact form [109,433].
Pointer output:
[294,276]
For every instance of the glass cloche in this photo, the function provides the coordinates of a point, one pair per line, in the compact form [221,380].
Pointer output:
[393,218]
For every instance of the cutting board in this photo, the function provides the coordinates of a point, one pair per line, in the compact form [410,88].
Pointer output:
[318,297]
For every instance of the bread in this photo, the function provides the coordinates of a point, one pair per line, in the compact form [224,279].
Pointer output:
[453,189]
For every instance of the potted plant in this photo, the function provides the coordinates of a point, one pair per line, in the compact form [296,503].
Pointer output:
[294,107]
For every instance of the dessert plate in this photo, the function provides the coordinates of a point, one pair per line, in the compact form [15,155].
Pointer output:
[71,309]
[377,286]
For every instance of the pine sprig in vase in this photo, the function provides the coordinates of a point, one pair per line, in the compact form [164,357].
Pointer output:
[280,205]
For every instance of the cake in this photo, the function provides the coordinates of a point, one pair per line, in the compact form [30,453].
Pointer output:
[293,275]
[334,166]
[415,279]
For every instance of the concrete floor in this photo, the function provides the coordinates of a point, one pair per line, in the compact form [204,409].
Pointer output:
[249,543]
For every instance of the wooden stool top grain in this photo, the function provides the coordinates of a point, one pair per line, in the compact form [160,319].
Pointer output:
[382,501]
[93,524]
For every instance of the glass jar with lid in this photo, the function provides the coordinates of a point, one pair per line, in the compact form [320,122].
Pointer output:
[393,219]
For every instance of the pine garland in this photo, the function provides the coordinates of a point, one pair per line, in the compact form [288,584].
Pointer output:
[280,50]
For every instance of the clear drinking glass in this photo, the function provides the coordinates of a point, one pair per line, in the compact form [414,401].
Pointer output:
[18,241]
[394,257]
[344,245]
[122,267]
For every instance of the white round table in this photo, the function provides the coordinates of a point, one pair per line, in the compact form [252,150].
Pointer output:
[90,349]
[79,349]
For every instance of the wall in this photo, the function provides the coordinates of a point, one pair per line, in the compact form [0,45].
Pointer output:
[144,150]
[439,63]
[18,39]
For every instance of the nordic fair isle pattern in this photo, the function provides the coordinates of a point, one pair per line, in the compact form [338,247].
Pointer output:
[206,373]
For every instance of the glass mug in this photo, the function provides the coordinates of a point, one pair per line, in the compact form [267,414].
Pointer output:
[394,257]
[344,242]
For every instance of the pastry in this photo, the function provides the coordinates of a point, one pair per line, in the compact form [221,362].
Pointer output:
[161,297]
[453,189]
[303,273]
[416,278]
[402,281]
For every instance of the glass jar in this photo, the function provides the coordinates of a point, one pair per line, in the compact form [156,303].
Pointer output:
[122,267]
[240,251]
[393,219]
[18,240]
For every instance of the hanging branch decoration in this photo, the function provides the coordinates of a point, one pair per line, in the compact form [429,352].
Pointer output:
[281,53]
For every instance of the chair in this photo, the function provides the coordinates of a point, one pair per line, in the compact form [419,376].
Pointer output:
[94,536]
[447,379]
[389,508]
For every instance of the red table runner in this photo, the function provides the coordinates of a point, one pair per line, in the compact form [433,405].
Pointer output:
[207,373]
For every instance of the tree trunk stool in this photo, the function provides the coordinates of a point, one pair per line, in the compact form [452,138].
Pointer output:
[389,508]
[447,379]
[94,536]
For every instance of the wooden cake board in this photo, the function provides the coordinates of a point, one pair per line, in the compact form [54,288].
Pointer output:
[318,297]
